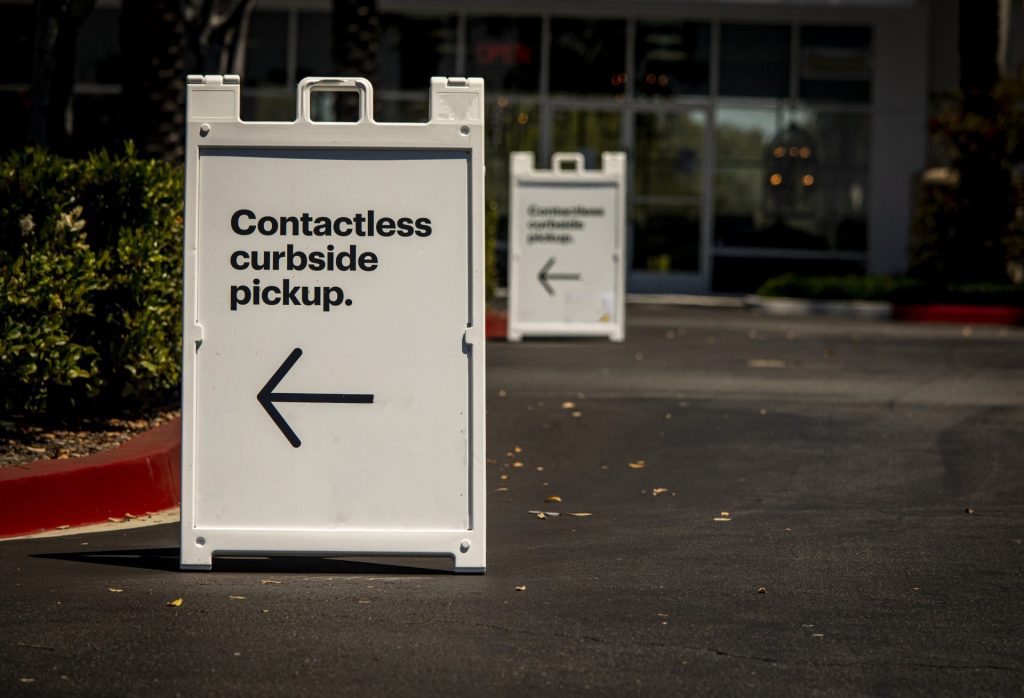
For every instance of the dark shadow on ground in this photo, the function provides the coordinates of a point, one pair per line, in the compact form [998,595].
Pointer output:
[167,560]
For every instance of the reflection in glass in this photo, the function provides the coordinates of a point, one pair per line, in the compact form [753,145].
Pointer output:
[835,63]
[510,127]
[588,56]
[672,58]
[791,179]
[755,60]
[587,132]
[505,52]
[669,153]
[413,49]
[266,49]
[667,238]
[16,40]
[313,48]
[98,49]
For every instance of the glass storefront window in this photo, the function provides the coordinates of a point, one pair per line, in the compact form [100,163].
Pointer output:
[835,63]
[505,52]
[313,47]
[98,46]
[511,126]
[755,60]
[266,49]
[672,58]
[667,237]
[16,41]
[587,132]
[401,111]
[588,56]
[791,179]
[414,49]
[669,153]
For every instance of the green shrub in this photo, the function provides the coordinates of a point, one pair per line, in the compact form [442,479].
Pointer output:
[870,288]
[899,289]
[90,263]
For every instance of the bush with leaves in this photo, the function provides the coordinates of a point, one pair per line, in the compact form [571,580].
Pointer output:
[90,262]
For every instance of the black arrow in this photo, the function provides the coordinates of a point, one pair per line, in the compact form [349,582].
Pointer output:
[267,397]
[543,276]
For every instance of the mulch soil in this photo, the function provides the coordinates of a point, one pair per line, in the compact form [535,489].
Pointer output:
[24,440]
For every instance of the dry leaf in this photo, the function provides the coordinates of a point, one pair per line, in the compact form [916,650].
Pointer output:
[540,468]
[762,590]
[541,515]
[237,598]
[176,602]
[969,510]
[503,476]
[63,527]
[766,363]
[721,519]
[725,513]
[27,679]
[520,587]
[517,449]
[553,499]
[638,465]
[579,513]
[270,581]
[577,414]
[518,464]
[567,405]
[130,516]
[659,490]
[114,590]
[501,489]
[115,519]
[36,449]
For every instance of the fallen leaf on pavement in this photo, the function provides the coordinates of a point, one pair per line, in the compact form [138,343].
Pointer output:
[176,602]
[725,513]
[722,519]
[517,449]
[659,490]
[766,363]
[541,515]
[567,405]
[579,513]
[969,510]
[270,581]
[237,598]
[520,587]
[518,464]
[762,590]
[553,499]
[114,590]
[638,465]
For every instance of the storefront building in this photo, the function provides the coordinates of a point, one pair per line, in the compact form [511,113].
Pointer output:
[762,137]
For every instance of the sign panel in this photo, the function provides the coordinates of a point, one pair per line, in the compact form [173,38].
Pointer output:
[333,379]
[566,239]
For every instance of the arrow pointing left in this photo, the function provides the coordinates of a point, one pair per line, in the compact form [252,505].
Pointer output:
[267,397]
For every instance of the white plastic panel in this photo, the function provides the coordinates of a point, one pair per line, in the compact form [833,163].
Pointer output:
[334,367]
[566,239]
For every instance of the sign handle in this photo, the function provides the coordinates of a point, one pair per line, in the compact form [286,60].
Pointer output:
[560,160]
[361,86]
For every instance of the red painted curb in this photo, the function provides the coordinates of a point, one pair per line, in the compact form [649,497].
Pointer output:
[962,314]
[496,324]
[142,474]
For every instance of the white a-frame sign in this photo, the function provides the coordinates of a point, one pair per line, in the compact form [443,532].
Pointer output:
[333,377]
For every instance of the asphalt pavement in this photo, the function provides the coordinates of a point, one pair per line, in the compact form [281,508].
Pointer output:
[776,506]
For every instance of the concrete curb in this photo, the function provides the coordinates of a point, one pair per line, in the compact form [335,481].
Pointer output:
[141,475]
[797,307]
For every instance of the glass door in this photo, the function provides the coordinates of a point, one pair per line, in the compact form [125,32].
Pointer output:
[669,251]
